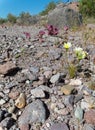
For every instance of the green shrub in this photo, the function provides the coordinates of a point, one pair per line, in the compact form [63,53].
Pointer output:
[48,8]
[2,20]
[87,7]
[11,18]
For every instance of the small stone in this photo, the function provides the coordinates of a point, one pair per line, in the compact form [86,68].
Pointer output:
[48,74]
[63,111]
[7,67]
[11,109]
[46,88]
[89,116]
[75,82]
[55,78]
[34,69]
[59,126]
[67,89]
[52,106]
[7,122]
[6,91]
[38,93]
[2,101]
[24,127]
[79,113]
[88,127]
[14,94]
[1,128]
[21,101]
[69,100]
[84,105]
[78,98]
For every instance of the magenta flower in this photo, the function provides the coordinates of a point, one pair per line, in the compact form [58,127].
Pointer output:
[41,33]
[28,36]
[66,28]
[52,30]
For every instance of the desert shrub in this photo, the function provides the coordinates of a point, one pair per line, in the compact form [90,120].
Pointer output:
[11,18]
[87,7]
[48,8]
[27,19]
[2,20]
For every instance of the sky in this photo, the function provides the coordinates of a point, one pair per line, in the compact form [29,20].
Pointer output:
[15,7]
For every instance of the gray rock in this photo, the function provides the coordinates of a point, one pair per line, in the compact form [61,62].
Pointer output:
[55,54]
[79,113]
[63,16]
[59,126]
[2,101]
[7,122]
[46,88]
[69,100]
[55,78]
[88,127]
[34,112]
[78,98]
[38,93]
[34,69]
[11,84]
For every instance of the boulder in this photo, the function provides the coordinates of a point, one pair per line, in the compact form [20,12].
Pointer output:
[64,15]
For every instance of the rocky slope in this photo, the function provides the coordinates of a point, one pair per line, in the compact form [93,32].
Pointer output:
[36,90]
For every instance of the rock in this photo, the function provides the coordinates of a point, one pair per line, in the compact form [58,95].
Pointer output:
[54,54]
[11,85]
[89,116]
[38,93]
[62,112]
[86,91]
[24,127]
[53,39]
[91,101]
[79,113]
[67,89]
[2,112]
[7,122]
[11,109]
[90,85]
[1,128]
[46,88]
[69,100]
[7,68]
[88,127]
[14,94]
[34,69]
[78,97]
[34,112]
[84,105]
[21,101]
[2,101]
[48,74]
[55,78]
[59,126]
[75,82]
[65,16]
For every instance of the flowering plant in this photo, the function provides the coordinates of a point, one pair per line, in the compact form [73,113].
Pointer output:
[80,53]
[27,34]
[52,30]
[67,45]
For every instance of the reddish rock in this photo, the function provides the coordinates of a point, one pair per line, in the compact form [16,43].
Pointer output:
[14,94]
[24,127]
[7,67]
[89,116]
